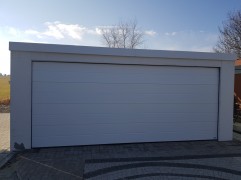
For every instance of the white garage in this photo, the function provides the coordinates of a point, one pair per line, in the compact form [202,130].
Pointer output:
[87,95]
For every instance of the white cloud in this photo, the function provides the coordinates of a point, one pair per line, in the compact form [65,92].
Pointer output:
[170,33]
[98,31]
[52,31]
[9,31]
[13,31]
[33,32]
[72,30]
[95,31]
[150,33]
[58,30]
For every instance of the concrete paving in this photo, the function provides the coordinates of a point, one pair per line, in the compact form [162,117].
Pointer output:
[5,153]
[162,160]
[4,132]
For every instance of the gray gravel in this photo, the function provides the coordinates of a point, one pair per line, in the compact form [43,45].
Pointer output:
[4,108]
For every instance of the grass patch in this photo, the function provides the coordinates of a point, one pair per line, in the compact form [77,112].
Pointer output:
[4,87]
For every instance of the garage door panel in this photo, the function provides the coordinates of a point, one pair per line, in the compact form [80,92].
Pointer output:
[93,73]
[79,104]
[120,98]
[50,67]
[117,118]
[125,78]
[115,138]
[122,108]
[123,129]
[50,87]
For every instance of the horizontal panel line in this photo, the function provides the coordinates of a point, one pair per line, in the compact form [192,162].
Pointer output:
[79,114]
[123,92]
[133,122]
[89,134]
[123,103]
[115,83]
[129,72]
[34,114]
[129,123]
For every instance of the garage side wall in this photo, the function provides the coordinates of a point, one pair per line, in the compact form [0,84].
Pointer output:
[22,58]
[226,93]
[20,125]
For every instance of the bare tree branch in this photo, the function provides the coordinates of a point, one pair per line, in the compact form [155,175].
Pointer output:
[123,35]
[230,35]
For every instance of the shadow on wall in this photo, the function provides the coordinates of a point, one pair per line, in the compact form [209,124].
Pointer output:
[19,146]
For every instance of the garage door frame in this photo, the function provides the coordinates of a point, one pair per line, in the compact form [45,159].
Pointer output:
[23,54]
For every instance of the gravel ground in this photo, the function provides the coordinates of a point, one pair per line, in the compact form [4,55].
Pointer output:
[4,108]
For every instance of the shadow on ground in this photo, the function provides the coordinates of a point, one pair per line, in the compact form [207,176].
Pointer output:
[177,160]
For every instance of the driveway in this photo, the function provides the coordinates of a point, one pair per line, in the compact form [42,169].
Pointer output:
[166,160]
[4,132]
[177,160]
[5,153]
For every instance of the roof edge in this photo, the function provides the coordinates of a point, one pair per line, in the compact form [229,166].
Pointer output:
[90,50]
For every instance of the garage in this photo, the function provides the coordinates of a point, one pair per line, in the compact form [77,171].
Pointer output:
[87,95]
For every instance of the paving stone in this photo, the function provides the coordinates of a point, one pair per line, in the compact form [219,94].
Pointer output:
[5,153]
[164,160]
[71,161]
[4,132]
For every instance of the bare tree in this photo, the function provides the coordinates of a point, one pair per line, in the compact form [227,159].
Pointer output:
[230,35]
[123,35]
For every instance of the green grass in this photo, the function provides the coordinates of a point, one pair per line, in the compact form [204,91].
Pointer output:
[4,87]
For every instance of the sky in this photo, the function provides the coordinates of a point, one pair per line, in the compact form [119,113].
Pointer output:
[183,25]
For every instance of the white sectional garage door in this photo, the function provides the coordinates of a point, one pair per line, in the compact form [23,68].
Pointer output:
[81,104]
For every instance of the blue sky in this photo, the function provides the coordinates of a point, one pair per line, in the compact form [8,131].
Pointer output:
[189,25]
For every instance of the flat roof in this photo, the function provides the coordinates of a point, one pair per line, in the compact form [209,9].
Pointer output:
[105,51]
